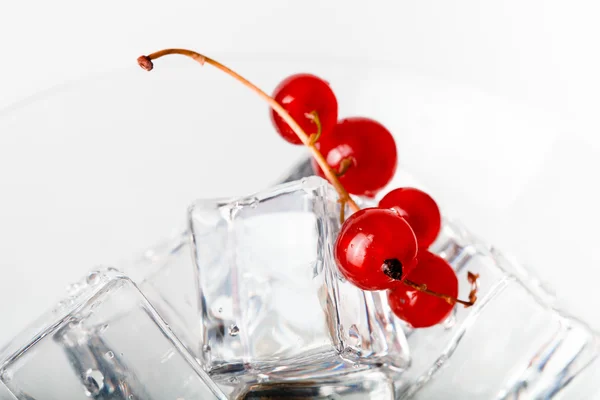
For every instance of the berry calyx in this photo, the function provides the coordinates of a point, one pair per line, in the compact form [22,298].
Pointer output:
[374,248]
[310,102]
[420,309]
[420,211]
[364,150]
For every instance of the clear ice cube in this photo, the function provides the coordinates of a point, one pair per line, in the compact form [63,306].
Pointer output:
[166,275]
[272,301]
[511,344]
[105,341]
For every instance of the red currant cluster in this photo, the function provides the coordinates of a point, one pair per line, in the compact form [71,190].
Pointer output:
[378,248]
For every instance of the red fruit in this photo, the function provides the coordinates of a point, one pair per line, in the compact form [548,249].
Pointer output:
[370,149]
[300,95]
[374,248]
[419,209]
[420,309]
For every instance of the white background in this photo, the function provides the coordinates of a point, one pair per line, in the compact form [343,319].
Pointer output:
[539,54]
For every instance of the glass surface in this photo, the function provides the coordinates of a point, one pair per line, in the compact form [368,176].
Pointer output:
[104,168]
[104,341]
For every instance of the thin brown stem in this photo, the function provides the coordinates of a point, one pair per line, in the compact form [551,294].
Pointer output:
[449,299]
[342,211]
[314,116]
[146,63]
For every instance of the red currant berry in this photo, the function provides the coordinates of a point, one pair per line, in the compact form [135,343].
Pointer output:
[420,309]
[300,95]
[419,209]
[374,248]
[368,148]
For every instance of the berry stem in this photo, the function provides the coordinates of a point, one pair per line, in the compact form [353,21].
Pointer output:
[342,212]
[314,137]
[449,299]
[309,141]
[146,63]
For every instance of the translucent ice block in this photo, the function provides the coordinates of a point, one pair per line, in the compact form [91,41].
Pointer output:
[105,341]
[271,300]
[512,344]
[166,275]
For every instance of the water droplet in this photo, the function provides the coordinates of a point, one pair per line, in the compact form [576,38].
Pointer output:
[167,356]
[110,355]
[121,354]
[93,278]
[234,330]
[206,348]
[93,382]
[130,397]
[222,308]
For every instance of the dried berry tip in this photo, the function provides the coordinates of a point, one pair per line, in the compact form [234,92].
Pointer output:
[145,62]
[474,281]
[392,268]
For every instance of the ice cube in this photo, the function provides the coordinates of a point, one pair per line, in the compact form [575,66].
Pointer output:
[511,344]
[105,341]
[267,260]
